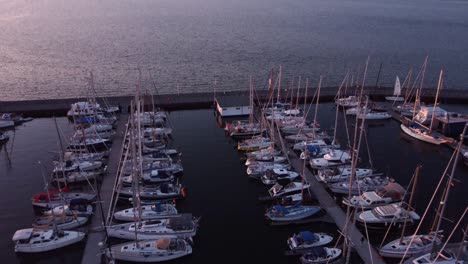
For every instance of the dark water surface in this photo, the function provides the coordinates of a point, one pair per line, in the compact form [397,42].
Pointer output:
[233,228]
[47,47]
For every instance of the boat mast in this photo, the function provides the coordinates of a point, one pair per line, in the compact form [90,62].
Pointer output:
[344,82]
[297,95]
[317,103]
[279,85]
[305,99]
[435,101]
[354,157]
[413,189]
[449,184]
[250,101]
[61,155]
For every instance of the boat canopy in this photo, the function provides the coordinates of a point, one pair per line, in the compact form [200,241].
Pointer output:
[309,237]
[280,209]
[393,190]
[313,148]
[317,252]
[23,234]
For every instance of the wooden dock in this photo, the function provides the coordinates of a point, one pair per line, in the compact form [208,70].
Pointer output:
[366,251]
[93,251]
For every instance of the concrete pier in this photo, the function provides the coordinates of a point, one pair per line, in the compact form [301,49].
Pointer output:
[59,107]
[92,253]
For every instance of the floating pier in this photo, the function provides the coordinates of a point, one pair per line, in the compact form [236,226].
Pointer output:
[97,234]
[362,246]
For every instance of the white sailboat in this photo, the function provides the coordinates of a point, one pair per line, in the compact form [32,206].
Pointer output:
[151,250]
[396,92]
[31,240]
[419,131]
[162,249]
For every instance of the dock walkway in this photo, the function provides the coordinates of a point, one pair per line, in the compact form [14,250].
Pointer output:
[366,251]
[92,253]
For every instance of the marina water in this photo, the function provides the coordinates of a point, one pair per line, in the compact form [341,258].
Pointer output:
[233,227]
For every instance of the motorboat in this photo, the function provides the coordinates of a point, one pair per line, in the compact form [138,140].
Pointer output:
[390,193]
[382,216]
[321,255]
[305,240]
[279,190]
[278,175]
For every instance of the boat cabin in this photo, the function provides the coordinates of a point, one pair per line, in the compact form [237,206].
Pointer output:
[232,106]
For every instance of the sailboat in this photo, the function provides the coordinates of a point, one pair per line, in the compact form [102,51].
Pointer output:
[430,252]
[419,131]
[151,250]
[33,240]
[242,129]
[396,92]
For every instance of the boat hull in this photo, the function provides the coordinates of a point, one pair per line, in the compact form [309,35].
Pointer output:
[421,137]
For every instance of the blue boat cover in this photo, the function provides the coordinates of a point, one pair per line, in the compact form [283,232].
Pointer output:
[281,209]
[158,207]
[85,119]
[309,237]
[313,148]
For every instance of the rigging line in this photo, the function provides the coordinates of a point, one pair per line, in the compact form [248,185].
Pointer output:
[428,206]
[393,219]
[368,149]
[451,234]
[118,179]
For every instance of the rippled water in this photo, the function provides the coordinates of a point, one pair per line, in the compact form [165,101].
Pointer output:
[47,47]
